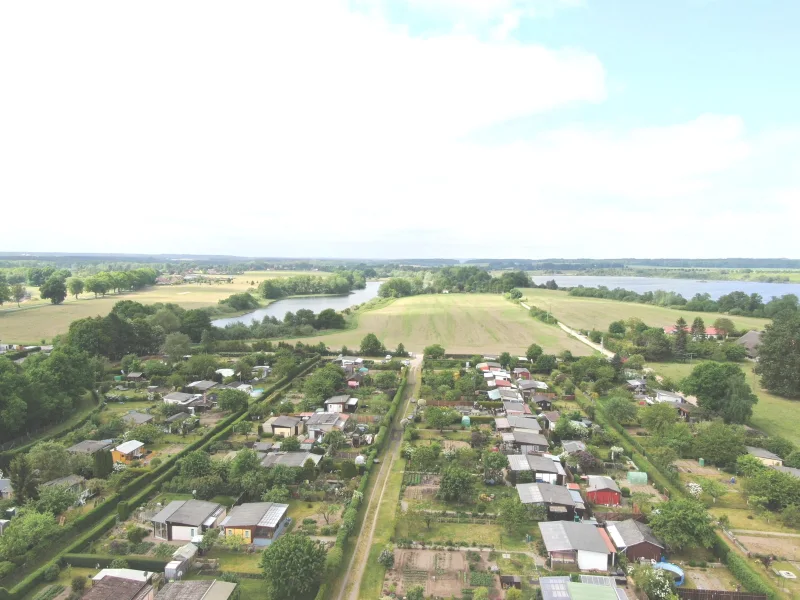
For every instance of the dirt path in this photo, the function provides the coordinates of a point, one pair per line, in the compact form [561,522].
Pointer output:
[351,583]
[582,338]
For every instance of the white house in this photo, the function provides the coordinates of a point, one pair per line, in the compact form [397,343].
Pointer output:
[583,544]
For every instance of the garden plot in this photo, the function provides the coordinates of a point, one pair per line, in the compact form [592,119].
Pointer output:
[421,486]
[712,578]
[693,467]
[767,545]
[441,573]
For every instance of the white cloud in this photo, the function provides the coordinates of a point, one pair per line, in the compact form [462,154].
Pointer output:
[273,129]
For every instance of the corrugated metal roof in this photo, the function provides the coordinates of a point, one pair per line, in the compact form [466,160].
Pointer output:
[554,588]
[560,536]
[129,446]
[518,462]
[601,482]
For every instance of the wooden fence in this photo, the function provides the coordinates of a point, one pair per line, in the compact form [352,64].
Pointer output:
[686,594]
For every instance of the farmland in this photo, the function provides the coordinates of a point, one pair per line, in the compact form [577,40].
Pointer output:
[598,313]
[462,323]
[39,320]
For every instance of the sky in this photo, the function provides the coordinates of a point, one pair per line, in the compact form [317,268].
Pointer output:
[401,128]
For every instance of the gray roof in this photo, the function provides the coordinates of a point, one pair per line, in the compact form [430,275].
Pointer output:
[544,493]
[117,588]
[572,446]
[137,417]
[197,590]
[187,512]
[552,416]
[256,514]
[601,482]
[289,459]
[510,395]
[67,481]
[789,471]
[262,446]
[632,532]
[284,421]
[519,422]
[178,397]
[202,386]
[319,418]
[91,446]
[560,536]
[338,399]
[531,462]
[135,374]
[528,438]
[750,340]
[181,416]
[762,453]
[516,407]
[531,384]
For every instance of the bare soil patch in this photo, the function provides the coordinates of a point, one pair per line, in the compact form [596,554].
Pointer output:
[782,547]
[708,579]
[455,444]
[692,466]
[441,573]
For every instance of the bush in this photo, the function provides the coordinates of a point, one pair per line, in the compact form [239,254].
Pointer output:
[626,492]
[136,534]
[51,572]
[78,583]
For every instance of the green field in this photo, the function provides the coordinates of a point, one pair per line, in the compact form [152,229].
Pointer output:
[597,313]
[39,320]
[773,415]
[462,323]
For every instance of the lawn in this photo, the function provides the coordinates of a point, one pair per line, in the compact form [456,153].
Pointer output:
[473,534]
[462,323]
[597,313]
[744,518]
[374,573]
[236,562]
[37,321]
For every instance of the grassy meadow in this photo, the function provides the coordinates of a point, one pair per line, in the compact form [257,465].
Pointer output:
[598,313]
[39,320]
[462,323]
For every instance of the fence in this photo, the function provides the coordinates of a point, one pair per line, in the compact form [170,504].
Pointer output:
[686,594]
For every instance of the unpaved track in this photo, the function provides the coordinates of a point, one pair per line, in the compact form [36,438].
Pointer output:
[351,583]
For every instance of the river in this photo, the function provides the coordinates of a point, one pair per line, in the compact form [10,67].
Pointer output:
[279,308]
[685,287]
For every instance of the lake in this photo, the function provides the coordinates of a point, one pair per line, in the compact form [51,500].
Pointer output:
[685,287]
[279,308]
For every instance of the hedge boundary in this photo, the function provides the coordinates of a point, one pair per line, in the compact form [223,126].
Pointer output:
[333,561]
[95,523]
[750,579]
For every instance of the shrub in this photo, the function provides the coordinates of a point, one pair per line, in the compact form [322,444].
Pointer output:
[78,583]
[119,547]
[136,534]
[51,572]
[119,563]
[626,492]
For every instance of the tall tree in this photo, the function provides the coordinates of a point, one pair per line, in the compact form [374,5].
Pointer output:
[620,410]
[737,405]
[298,555]
[371,345]
[18,293]
[681,337]
[698,328]
[681,523]
[724,326]
[5,289]
[54,289]
[176,346]
[658,418]
[718,443]
[25,479]
[456,485]
[75,286]
[779,356]
[534,352]
[711,382]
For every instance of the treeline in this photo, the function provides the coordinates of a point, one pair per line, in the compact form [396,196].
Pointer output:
[303,322]
[43,389]
[341,282]
[735,303]
[453,279]
[635,339]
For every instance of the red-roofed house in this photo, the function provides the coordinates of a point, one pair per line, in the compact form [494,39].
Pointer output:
[502,383]
[710,331]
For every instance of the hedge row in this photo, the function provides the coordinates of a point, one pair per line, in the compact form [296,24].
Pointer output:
[105,516]
[90,561]
[744,573]
[333,561]
[7,456]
